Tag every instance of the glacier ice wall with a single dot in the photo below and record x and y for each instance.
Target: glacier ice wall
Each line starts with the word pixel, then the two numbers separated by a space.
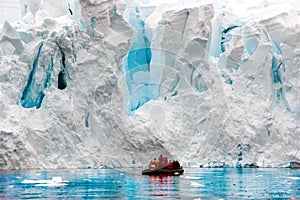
pixel 95 83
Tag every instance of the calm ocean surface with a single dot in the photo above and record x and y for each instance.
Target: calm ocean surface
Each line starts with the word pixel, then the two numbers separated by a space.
pixel 196 183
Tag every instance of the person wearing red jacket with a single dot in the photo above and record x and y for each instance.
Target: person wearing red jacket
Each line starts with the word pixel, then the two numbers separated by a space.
pixel 170 165
pixel 165 164
pixel 160 161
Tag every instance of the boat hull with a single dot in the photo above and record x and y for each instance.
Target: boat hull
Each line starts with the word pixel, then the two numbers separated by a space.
pixel 162 172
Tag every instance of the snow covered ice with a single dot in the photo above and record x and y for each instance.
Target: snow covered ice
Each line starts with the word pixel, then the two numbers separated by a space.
pixel 94 83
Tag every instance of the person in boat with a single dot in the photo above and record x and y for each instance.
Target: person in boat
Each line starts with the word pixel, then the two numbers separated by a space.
pixel 153 164
pixel 176 165
pixel 170 165
pixel 165 162
pixel 161 161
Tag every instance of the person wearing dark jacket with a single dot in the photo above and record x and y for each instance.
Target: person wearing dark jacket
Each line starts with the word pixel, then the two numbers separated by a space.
pixel 176 165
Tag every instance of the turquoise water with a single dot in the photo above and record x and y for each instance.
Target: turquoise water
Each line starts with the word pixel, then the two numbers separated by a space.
pixel 199 183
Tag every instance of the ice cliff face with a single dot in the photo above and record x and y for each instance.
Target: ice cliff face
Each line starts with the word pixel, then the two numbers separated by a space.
pixel 94 83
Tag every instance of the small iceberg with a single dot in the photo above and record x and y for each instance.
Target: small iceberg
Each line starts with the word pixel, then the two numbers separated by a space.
pixel 192 177
pixel 195 184
pixel 35 181
pixel 293 177
pixel 56 181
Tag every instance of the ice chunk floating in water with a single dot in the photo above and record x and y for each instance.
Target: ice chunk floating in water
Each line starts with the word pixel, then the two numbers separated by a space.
pixel 56 181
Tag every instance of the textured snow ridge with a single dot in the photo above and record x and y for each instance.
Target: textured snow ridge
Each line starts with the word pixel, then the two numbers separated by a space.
pixel 96 83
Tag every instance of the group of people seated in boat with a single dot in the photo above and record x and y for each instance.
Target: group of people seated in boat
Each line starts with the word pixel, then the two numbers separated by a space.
pixel 163 163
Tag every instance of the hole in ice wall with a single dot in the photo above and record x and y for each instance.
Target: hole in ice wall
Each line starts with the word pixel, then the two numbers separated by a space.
pixel 62 80
pixel 62 83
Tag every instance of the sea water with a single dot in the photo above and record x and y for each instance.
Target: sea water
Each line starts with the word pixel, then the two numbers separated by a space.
pixel 195 183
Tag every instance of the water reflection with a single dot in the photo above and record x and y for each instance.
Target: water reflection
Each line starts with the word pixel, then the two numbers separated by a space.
pixel 163 186
pixel 130 184
pixel 243 183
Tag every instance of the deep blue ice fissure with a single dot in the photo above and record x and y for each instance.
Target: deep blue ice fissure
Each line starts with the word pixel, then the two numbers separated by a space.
pixel 92 22
pixel 32 95
pixel 138 60
pixel 277 71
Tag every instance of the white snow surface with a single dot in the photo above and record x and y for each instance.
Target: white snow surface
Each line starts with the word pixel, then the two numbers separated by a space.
pixel 226 75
